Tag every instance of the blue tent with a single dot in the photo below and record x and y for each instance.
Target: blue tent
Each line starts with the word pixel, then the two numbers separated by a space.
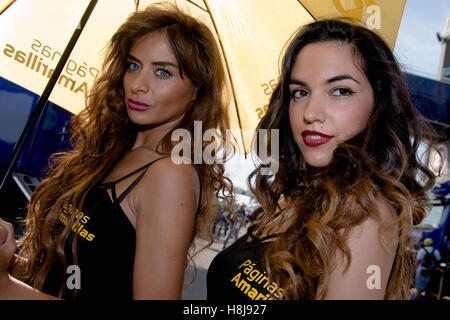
pixel 431 98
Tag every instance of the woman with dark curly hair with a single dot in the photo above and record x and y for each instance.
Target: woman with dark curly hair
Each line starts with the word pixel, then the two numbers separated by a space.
pixel 335 219
pixel 116 210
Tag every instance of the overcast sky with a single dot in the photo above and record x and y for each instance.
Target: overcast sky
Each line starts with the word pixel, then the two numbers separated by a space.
pixel 417 47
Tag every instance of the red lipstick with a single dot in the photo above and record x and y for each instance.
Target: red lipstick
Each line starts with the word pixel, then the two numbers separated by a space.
pixel 314 138
pixel 137 105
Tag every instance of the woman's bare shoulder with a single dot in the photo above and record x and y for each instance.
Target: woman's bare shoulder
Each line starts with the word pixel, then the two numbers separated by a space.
pixel 168 182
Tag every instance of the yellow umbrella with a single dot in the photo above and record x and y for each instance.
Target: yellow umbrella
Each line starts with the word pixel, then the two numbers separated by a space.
pixel 251 34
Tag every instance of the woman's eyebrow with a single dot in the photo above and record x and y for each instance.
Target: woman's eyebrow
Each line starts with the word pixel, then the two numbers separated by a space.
pixel 342 77
pixel 133 58
pixel 156 63
pixel 164 64
pixel 330 80
pixel 299 82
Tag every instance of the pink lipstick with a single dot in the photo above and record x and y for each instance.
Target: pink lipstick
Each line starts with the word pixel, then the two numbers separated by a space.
pixel 137 105
pixel 314 138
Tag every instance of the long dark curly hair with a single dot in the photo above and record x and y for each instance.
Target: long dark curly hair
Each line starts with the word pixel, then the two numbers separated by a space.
pixel 320 205
pixel 102 133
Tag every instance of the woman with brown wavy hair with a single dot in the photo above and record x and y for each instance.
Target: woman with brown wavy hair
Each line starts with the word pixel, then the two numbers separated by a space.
pixel 116 211
pixel 335 219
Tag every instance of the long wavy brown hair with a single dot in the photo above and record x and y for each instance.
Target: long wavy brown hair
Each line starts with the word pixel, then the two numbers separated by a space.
pixel 102 133
pixel 311 210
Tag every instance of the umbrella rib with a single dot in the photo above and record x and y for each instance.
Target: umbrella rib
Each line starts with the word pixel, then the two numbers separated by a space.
pixel 7 6
pixel 194 4
pixel 229 74
pixel 306 9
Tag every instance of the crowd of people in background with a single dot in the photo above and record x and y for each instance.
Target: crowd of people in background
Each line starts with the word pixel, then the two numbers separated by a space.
pixel 228 224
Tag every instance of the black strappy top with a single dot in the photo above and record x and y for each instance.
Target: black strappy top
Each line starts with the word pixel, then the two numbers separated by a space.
pixel 112 185
pixel 238 273
pixel 106 247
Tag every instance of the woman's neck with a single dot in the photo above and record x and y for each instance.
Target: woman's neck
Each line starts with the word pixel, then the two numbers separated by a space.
pixel 151 136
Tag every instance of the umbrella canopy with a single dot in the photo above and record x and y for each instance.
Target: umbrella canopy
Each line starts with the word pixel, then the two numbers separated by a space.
pixel 251 34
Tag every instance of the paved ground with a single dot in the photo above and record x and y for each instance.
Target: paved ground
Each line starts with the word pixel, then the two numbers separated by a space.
pixel 197 290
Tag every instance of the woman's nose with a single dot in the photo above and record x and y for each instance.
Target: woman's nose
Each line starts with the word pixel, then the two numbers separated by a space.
pixel 140 83
pixel 314 110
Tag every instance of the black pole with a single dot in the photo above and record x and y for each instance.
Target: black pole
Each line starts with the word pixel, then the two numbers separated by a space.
pixel 40 105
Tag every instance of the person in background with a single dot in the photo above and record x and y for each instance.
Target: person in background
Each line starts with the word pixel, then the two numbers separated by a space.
pixel 221 223
pixel 445 293
pixel 335 219
pixel 117 208
pixel 218 220
pixel 427 260
pixel 238 220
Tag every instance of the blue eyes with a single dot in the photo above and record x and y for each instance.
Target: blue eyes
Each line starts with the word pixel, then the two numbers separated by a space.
pixel 133 66
pixel 163 73
pixel 159 72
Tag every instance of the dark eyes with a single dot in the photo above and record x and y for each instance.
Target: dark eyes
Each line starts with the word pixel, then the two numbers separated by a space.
pixel 299 93
pixel 341 92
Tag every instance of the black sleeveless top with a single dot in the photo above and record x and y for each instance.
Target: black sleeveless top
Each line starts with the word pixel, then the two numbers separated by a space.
pixel 237 273
pixel 106 247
